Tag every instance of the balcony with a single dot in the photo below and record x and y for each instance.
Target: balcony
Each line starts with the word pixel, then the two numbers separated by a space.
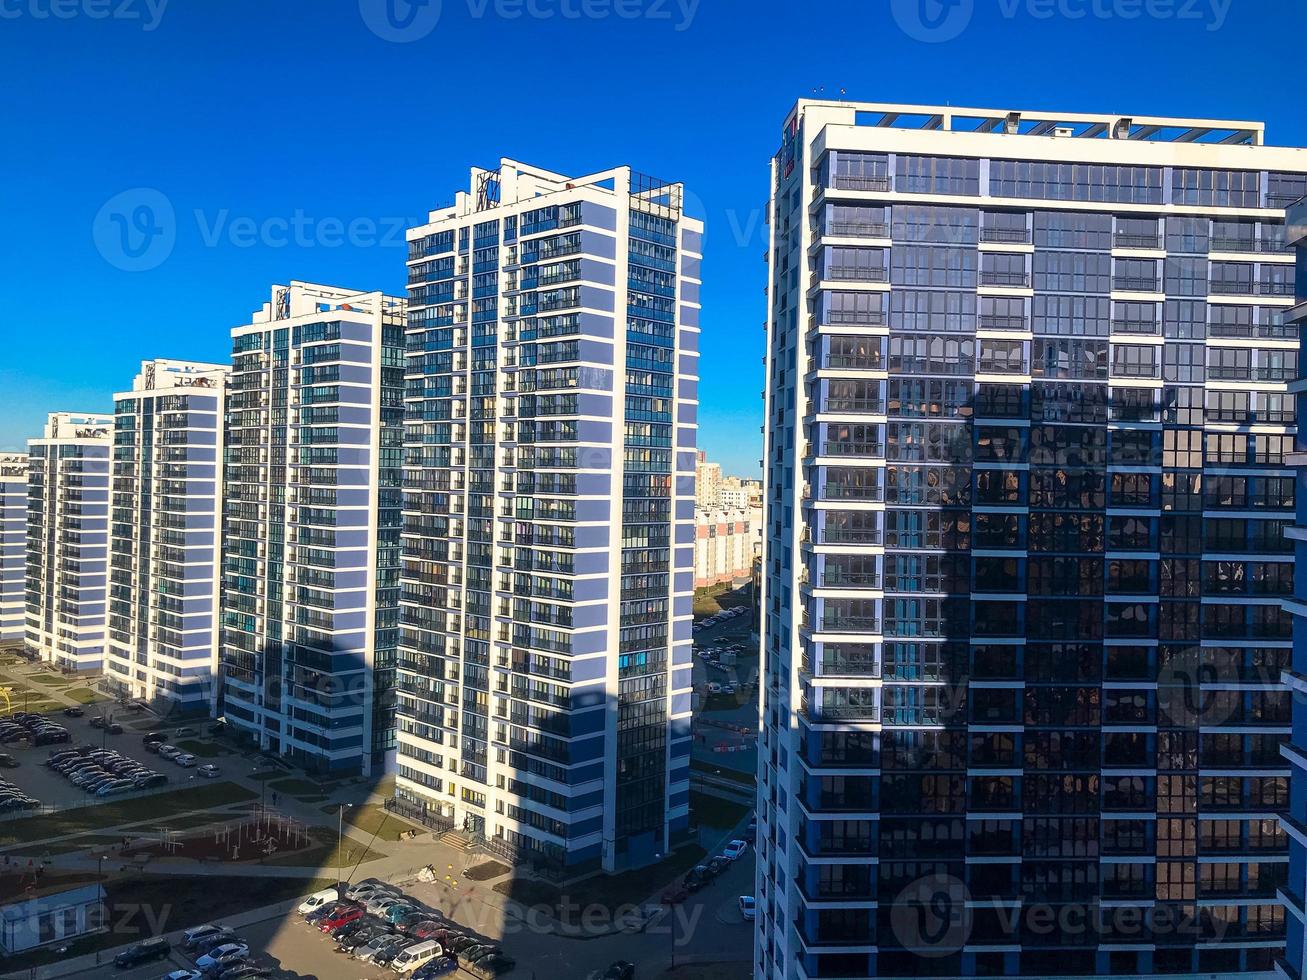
pixel 1004 277
pixel 1006 236
pixel 1259 288
pixel 1147 327
pixel 848 182
pixel 1249 245
pixel 1136 284
pixel 858 229
pixel 850 273
pixel 993 321
pixel 1128 240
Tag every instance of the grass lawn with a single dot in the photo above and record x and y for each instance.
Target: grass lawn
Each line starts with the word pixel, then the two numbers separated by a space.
pixel 171 902
pixel 628 888
pixel 734 775
pixel 713 811
pixel 52 680
pixel 157 806
pixel 297 787
pixel 323 853
pixel 486 870
pixel 84 695
pixel 371 819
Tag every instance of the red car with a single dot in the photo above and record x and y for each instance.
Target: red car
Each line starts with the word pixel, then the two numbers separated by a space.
pixel 343 917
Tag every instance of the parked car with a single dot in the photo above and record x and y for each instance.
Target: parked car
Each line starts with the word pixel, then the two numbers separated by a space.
pixel 419 954
pixel 718 864
pixel 735 849
pixel 379 905
pixel 222 956
pixel 317 900
pixel 155 948
pixel 97 721
pixel 748 907
pixel 114 728
pixel 490 967
pixel 151 780
pixel 697 878
pixel 154 738
pixel 244 971
pixel 222 965
pixel 72 711
pixel 441 966
pixel 193 936
pixel 185 760
pixel 209 771
pixel 185 733
pixel 182 975
pixel 209 943
pixel 7 761
pixel 375 948
pixel 340 917
pixel 169 751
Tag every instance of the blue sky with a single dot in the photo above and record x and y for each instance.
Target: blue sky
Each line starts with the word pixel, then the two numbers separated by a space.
pixel 293 139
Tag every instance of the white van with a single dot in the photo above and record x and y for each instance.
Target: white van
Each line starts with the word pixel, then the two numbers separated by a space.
pixel 317 900
pixel 415 956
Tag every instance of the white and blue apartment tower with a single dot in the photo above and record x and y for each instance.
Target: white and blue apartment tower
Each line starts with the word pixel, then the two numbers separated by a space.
pixel 166 536
pixel 13 546
pixel 1029 422
pixel 68 540
pixel 1294 891
pixel 551 392
pixel 312 541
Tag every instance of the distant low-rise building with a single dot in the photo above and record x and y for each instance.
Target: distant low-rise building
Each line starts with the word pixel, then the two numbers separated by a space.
pixel 725 541
pixel 57 917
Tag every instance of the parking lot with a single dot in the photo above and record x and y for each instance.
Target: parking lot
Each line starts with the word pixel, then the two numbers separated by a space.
pixel 55 791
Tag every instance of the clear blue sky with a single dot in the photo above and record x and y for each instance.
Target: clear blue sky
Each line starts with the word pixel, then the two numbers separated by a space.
pixel 266 111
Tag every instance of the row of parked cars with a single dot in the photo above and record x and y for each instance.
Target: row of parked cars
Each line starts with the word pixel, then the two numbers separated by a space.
pixel 720 617
pixel 219 954
pixel 13 798
pixel 103 772
pixel 31 727
pixel 156 742
pixel 376 923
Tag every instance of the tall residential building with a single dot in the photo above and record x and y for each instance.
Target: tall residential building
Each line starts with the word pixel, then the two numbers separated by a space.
pixel 68 540
pixel 726 541
pixel 552 384
pixel 312 546
pixel 1028 410
pixel 1294 819
pixel 707 481
pixel 166 536
pixel 13 546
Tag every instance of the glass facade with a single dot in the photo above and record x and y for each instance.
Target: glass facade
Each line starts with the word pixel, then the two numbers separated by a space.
pixel 165 536
pixel 312 498
pixel 548 534
pixel 67 541
pixel 13 545
pixel 1026 501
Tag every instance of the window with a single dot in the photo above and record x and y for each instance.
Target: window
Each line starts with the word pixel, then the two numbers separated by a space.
pixel 1216 188
pixel 1085 316
pixel 1183 363
pixel 937 175
pixel 1076 182
pixel 1001 357
pixel 1069 359
pixel 1229 363
pixel 1073 272
pixel 1134 361
pixel 1186 276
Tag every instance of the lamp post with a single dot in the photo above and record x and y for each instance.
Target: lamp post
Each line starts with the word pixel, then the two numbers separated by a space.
pixel 340 840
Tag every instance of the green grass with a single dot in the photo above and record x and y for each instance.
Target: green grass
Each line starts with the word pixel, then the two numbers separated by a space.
pixel 713 811
pixel 157 806
pixel 84 695
pixel 323 852
pixel 371 819
pixel 52 680
pixel 296 787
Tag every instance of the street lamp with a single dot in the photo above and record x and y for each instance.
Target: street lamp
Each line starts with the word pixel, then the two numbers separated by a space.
pixel 340 840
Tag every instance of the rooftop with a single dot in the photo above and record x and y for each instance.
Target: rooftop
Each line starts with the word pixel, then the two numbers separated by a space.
pixel 1074 125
